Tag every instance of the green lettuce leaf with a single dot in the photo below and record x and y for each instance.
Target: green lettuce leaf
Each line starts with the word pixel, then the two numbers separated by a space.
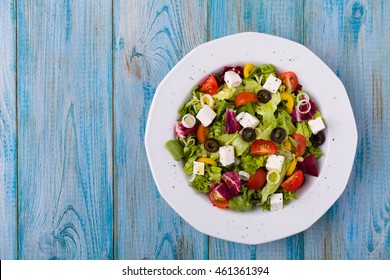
pixel 251 163
pixel 201 183
pixel 193 105
pixel 216 129
pixel 249 85
pixel 271 188
pixel 225 93
pixel 243 201
pixel 248 107
pixel 261 73
pixel 235 139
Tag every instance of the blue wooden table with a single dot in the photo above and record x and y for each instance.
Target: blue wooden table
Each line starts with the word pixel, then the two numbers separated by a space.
pixel 76 82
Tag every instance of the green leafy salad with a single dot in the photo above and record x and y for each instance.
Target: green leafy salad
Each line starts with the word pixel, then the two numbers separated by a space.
pixel 247 137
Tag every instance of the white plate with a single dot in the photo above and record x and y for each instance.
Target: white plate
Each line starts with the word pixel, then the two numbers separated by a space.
pixel 314 198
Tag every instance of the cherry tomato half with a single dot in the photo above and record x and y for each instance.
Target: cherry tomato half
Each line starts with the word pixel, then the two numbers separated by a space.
pixel 289 80
pixel 209 86
pixel 301 141
pixel 201 133
pixel 245 97
pixel 257 180
pixel 294 181
pixel 218 200
pixel 263 147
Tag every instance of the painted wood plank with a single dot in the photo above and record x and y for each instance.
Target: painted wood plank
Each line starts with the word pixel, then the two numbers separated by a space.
pixel 65 129
pixel 147 44
pixel 281 18
pixel 8 179
pixel 351 37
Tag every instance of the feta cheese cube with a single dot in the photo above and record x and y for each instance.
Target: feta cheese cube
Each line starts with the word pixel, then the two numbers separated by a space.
pixel 276 201
pixel 198 168
pixel 232 79
pixel 275 162
pixel 206 115
pixel 247 120
pixel 316 125
pixel 272 84
pixel 226 155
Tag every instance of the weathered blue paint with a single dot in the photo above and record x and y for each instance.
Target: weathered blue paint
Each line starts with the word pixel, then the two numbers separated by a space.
pixel 65 130
pixel 145 226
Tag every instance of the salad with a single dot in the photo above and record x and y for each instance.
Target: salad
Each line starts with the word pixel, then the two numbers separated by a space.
pixel 248 136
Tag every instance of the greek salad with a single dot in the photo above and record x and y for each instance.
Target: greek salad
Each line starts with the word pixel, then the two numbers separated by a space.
pixel 248 136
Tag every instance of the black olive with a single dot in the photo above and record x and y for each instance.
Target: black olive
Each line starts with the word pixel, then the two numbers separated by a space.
pixel 278 135
pixel 211 145
pixel 317 139
pixel 248 134
pixel 264 96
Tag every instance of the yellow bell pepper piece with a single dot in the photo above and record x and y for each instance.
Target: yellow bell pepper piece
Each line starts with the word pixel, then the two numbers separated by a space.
pixel 248 69
pixel 207 161
pixel 289 98
pixel 291 168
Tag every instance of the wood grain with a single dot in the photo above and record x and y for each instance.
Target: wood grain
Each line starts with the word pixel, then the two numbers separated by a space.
pixel 285 20
pixel 65 129
pixel 147 44
pixel 352 40
pixel 8 181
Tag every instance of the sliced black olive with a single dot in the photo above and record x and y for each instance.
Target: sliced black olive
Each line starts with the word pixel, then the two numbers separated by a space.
pixel 278 135
pixel 264 96
pixel 211 145
pixel 317 139
pixel 248 134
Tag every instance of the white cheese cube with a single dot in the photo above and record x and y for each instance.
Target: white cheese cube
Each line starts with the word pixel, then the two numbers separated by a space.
pixel 232 79
pixel 272 84
pixel 226 155
pixel 316 125
pixel 206 115
pixel 247 120
pixel 275 162
pixel 198 168
pixel 276 201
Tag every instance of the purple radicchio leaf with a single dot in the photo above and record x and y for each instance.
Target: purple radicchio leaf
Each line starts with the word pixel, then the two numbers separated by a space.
pixel 231 124
pixel 296 116
pixel 181 131
pixel 222 189
pixel 308 166
pixel 238 69
pixel 232 181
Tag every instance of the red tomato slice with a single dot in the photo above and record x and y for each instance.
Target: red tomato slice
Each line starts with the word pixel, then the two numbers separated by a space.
pixel 294 181
pixel 245 97
pixel 209 86
pixel 263 147
pixel 257 180
pixel 201 133
pixel 218 200
pixel 301 141
pixel 289 80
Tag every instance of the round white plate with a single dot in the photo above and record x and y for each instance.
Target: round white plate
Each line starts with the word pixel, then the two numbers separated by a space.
pixel 314 198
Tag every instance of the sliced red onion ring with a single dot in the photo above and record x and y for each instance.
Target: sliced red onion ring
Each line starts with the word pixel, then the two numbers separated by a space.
pixel 304 96
pixel 304 103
